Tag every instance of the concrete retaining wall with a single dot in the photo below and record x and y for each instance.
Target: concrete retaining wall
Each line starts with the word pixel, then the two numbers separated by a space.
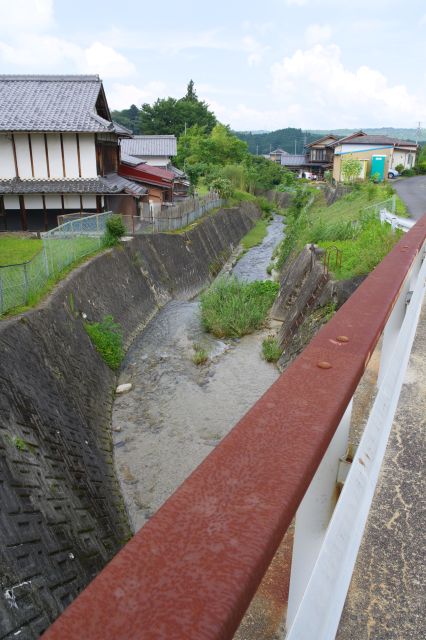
pixel 61 513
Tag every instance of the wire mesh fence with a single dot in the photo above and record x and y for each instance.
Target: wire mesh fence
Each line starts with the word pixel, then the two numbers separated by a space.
pixel 389 205
pixel 62 246
pixel 157 218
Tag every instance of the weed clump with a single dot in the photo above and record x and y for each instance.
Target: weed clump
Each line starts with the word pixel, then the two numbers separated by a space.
pixel 271 350
pixel 200 354
pixel 231 308
pixel 108 340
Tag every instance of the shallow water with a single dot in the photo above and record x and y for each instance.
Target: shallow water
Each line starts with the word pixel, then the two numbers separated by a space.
pixel 169 422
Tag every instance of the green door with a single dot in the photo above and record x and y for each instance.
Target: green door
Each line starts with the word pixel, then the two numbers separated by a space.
pixel 378 167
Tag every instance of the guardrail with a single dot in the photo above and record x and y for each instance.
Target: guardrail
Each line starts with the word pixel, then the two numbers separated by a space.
pixel 192 570
pixel 395 221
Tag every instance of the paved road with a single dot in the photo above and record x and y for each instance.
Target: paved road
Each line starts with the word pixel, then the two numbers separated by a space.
pixel 413 192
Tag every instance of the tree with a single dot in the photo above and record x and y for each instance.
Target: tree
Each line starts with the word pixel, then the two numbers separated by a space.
pixel 190 92
pixel 172 116
pixel 128 118
pixel 351 168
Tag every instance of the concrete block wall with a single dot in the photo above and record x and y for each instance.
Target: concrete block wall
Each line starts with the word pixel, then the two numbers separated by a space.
pixel 61 512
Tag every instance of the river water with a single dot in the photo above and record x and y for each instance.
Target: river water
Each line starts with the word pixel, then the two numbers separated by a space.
pixel 177 412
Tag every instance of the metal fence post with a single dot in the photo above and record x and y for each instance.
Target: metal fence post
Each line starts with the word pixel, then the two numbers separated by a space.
pixel 45 261
pixel 1 296
pixel 26 288
pixel 394 203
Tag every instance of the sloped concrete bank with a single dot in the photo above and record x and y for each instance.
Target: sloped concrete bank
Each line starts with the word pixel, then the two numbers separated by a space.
pixel 306 300
pixel 61 512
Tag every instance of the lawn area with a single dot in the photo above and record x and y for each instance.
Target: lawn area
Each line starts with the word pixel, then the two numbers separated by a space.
pixel 22 286
pixel 16 250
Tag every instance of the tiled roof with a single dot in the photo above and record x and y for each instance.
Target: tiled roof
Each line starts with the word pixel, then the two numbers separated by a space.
pixel 122 184
pixel 127 159
pixel 150 146
pixel 70 185
pixel 51 103
pixel 374 139
pixel 293 160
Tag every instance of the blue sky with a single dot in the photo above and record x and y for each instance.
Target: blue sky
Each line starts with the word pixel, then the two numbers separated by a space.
pixel 265 65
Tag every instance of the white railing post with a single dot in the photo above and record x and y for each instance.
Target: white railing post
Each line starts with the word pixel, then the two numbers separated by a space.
pixel 314 514
pixel 396 318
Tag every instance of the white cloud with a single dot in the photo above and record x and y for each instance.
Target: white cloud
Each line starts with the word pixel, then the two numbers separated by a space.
pixel 104 60
pixel 315 85
pixel 254 49
pixel 49 54
pixel 317 33
pixel 26 14
pixel 121 96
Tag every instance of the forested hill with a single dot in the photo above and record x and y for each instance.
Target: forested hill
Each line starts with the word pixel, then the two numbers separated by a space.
pixel 291 140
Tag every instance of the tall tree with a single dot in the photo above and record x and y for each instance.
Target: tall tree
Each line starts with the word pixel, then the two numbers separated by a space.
pixel 171 116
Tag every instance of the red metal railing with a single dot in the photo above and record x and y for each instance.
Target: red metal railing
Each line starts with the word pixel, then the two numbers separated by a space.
pixel 192 570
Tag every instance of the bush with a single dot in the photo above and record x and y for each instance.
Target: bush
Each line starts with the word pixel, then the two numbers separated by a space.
pixel 271 350
pixel 107 339
pixel 223 187
pixel 421 166
pixel 399 168
pixel 115 229
pixel 408 173
pixel 231 308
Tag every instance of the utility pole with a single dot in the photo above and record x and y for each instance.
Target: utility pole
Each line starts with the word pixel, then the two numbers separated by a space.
pixel 257 149
pixel 295 147
pixel 418 132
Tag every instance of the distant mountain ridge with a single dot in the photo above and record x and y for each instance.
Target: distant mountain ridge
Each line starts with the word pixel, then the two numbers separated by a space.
pixel 293 140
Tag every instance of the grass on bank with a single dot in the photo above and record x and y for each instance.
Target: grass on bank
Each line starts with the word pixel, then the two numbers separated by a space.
pixel 271 350
pixel 346 224
pixel 231 308
pixel 107 339
pixel 15 250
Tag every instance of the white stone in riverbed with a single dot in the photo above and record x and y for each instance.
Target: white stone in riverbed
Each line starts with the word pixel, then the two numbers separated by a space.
pixel 123 388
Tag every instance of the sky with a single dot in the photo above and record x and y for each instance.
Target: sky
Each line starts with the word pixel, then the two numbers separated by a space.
pixel 271 64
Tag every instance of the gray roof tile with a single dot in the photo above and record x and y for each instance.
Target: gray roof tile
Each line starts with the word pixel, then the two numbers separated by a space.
pixel 70 185
pixel 150 146
pixel 293 160
pixel 51 103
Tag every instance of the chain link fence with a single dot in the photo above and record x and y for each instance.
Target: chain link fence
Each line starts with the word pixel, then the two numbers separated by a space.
pixel 62 246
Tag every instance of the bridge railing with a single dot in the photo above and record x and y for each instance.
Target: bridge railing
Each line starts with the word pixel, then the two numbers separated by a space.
pixel 192 570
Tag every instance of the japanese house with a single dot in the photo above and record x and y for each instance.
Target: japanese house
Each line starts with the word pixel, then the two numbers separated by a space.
pixel 59 151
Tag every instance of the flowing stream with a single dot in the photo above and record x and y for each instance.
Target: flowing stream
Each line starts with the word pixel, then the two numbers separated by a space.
pixel 176 411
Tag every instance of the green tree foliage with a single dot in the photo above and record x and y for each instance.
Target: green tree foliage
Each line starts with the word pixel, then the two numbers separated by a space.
pixel 172 116
pixel 351 168
pixel 128 118
pixel 263 143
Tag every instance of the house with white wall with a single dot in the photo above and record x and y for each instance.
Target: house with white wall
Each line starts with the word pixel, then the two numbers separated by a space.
pixel 373 151
pixel 59 151
pixel 157 151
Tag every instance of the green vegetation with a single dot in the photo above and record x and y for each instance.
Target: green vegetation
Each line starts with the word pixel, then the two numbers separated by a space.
pixel 19 443
pixel 256 235
pixel 264 142
pixel 271 350
pixel 14 250
pixel 231 308
pixel 168 115
pixel 347 224
pixel 108 340
pixel 351 168
pixel 200 354
pixel 115 229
